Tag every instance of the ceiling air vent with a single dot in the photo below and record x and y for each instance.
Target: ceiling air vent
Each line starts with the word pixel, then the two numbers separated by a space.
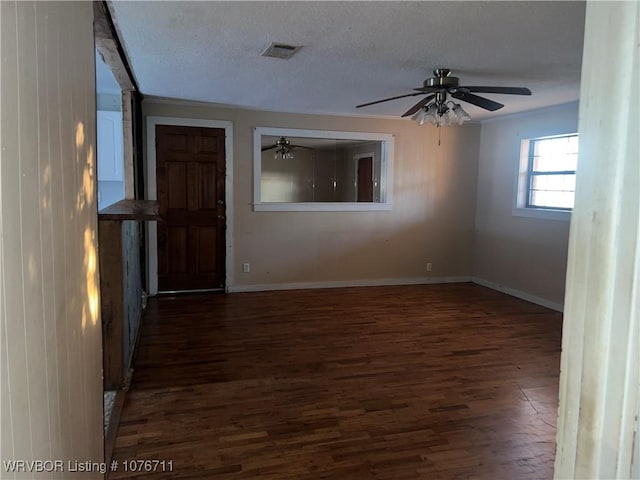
pixel 280 50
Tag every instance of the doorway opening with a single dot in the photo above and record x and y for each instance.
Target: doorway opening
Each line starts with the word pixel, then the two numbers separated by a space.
pixel 190 176
pixel 110 150
pixel 152 186
pixel 120 233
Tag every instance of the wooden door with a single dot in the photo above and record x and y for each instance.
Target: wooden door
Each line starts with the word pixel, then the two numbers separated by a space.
pixel 190 174
pixel 365 179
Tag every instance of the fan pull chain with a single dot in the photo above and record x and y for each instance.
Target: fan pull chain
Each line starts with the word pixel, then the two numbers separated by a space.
pixel 439 133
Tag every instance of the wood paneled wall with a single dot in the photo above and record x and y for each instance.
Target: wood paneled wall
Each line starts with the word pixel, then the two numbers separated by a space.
pixel 132 286
pixel 600 364
pixel 50 345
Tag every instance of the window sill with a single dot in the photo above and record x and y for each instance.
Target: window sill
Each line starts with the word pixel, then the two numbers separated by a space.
pixel 541 213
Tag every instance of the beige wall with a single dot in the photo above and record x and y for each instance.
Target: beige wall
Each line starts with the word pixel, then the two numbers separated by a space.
pixel 519 254
pixel 432 218
pixel 50 346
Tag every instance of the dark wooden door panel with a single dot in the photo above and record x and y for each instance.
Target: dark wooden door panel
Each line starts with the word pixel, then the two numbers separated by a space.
pixel 190 174
pixel 177 240
pixel 176 185
pixel 365 179
pixel 206 247
pixel 207 186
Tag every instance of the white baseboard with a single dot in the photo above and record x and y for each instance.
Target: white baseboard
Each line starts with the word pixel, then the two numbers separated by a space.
pixel 347 283
pixel 558 307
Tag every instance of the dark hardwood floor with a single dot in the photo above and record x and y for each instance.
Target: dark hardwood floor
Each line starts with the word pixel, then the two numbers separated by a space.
pixel 412 382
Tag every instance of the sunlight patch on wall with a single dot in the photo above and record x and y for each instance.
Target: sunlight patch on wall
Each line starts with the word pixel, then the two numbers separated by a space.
pixel 85 195
pixel 32 268
pixel 91 265
pixel 46 179
pixel 79 135
pixel 88 183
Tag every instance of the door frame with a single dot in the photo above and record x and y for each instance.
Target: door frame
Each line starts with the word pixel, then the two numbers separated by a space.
pixel 152 192
pixel 357 157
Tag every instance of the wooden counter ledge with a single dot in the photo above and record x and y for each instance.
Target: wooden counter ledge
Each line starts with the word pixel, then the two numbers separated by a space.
pixel 131 210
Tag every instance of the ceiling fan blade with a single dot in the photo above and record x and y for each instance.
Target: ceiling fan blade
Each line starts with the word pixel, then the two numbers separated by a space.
pixel 429 89
pixel 267 148
pixel 504 90
pixel 391 98
pixel 419 105
pixel 478 101
pixel 300 146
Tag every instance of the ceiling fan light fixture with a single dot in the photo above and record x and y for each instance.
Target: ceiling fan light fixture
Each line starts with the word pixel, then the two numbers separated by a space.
pixel 444 120
pixel 427 114
pixel 420 116
pixel 283 149
pixel 433 109
pixel 459 113
pixel 441 115
pixel 283 155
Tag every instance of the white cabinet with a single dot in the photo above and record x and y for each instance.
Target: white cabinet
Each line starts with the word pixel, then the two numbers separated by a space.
pixel 110 150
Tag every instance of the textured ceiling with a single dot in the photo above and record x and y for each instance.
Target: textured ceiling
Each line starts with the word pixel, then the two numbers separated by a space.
pixel 352 52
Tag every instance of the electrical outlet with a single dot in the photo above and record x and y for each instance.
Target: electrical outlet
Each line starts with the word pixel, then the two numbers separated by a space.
pixel 429 266
pixel 246 267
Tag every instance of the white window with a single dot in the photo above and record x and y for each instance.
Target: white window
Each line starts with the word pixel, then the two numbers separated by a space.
pixel 547 176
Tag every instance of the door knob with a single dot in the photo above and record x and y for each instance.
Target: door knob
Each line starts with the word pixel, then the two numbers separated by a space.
pixel 220 202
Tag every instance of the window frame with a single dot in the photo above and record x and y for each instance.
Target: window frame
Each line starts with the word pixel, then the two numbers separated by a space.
pixel 386 181
pixel 531 172
pixel 524 178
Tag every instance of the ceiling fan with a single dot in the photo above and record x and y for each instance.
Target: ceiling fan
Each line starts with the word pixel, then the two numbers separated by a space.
pixel 435 106
pixel 284 148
